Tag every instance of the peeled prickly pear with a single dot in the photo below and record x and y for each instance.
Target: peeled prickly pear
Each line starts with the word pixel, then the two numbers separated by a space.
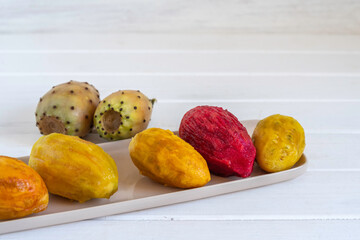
pixel 74 168
pixel 279 142
pixel 220 138
pixel 122 114
pixel 67 108
pixel 22 191
pixel 167 159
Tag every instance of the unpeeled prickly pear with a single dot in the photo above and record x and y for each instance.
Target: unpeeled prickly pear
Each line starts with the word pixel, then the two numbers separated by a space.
pixel 164 157
pixel 22 191
pixel 67 108
pixel 74 168
pixel 220 138
pixel 122 114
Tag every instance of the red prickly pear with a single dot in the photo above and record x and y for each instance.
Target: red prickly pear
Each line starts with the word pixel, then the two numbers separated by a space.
pixel 221 139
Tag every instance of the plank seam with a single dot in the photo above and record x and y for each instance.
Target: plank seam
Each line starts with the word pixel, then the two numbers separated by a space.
pixel 233 218
pixel 258 100
pixel 190 74
pixel 5 126
pixel 172 51
pixel 333 170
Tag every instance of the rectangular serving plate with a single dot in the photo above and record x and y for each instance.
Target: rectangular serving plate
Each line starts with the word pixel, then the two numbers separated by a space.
pixel 136 192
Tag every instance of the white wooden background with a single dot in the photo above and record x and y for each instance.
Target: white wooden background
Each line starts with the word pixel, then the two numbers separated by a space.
pixel 216 53
pixel 178 16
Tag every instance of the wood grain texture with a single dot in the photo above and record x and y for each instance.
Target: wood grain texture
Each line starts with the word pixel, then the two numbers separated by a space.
pixel 179 63
pixel 198 88
pixel 344 119
pixel 233 16
pixel 163 230
pixel 160 42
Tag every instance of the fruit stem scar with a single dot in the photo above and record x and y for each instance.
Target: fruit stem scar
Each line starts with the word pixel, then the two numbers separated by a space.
pixel 111 121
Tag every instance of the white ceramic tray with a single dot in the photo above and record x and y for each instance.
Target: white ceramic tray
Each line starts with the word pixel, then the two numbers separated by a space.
pixel 137 192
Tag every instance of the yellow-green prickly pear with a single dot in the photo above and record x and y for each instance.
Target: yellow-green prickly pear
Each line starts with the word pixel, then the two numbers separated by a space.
pixel 67 108
pixel 122 114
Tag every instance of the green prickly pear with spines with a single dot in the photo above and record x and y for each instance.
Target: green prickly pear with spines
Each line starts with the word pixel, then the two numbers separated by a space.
pixel 67 108
pixel 122 114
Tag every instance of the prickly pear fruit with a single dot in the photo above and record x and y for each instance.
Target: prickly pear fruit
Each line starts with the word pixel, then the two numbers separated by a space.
pixel 279 142
pixel 220 138
pixel 74 168
pixel 22 191
pixel 167 159
pixel 122 114
pixel 67 108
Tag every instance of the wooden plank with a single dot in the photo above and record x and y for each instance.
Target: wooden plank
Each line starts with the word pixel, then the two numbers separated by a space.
pixel 333 152
pixel 179 63
pixel 314 195
pixel 217 229
pixel 198 88
pixel 280 16
pixel 159 42
pixel 312 115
